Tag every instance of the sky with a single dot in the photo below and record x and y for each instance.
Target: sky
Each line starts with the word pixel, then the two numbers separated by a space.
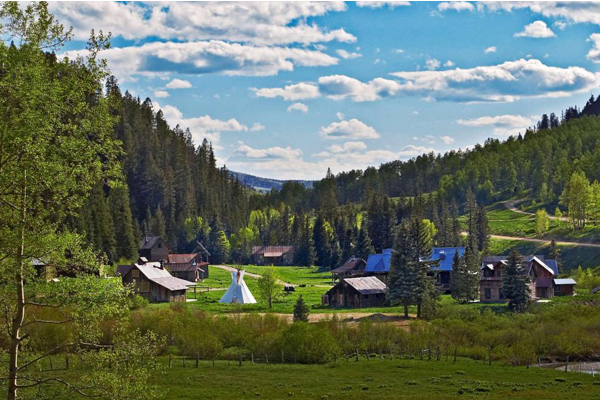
pixel 286 90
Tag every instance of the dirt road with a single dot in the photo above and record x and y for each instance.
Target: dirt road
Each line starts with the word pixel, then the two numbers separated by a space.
pixel 512 206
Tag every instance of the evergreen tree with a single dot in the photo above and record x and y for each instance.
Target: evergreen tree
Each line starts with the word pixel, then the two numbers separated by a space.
pixel 123 224
pixel 483 242
pixel 301 310
pixel 403 276
pixel 159 226
pixel 465 276
pixel 515 283
pixel 321 242
pixel 305 252
pixel 219 245
pixel 364 247
pixel 555 255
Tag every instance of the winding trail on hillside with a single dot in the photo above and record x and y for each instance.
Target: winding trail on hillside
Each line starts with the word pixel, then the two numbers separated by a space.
pixel 545 241
pixel 512 206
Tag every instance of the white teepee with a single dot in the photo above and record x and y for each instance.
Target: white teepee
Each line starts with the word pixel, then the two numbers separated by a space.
pixel 238 292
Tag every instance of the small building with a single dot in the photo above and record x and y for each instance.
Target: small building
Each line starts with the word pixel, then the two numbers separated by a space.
pixel 352 267
pixel 442 259
pixel 564 287
pixel 379 264
pixel 366 291
pixel 542 274
pixel 273 255
pixel 152 281
pixel 189 267
pixel 153 248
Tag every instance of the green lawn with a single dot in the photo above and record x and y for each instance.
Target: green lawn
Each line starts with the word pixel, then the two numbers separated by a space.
pixel 295 275
pixel 373 379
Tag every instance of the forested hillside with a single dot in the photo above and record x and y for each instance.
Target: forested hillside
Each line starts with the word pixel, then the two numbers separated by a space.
pixel 175 190
pixel 171 187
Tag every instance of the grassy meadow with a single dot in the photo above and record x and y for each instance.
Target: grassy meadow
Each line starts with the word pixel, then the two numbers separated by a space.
pixel 373 379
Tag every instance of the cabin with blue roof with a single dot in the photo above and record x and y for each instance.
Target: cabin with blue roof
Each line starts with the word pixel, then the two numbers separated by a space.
pixel 379 264
pixel 442 265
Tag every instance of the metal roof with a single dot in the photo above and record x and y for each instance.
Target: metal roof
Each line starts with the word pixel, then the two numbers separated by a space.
pixel 272 249
pixel 149 242
pixel 273 254
pixel 567 281
pixel 444 256
pixel 367 285
pixel 351 264
pixel 159 275
pixel 181 258
pixel 379 263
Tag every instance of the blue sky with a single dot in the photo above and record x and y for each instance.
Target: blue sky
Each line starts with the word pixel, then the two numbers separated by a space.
pixel 286 90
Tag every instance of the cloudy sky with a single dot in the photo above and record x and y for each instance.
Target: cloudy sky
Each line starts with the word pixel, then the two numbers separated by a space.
pixel 286 90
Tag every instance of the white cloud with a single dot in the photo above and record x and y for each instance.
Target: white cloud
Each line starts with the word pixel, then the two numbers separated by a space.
pixel 502 125
pixel 340 116
pixel 262 23
pixel 456 6
pixel 491 49
pixel 298 91
pixel 560 25
pixel 269 153
pixel 257 127
pixel 398 51
pixel 198 58
pixel 505 82
pixel 432 64
pixel 537 29
pixel 348 147
pixel 449 64
pixel 351 129
pixel 338 87
pixel 380 4
pixel 179 84
pixel 412 151
pixel 577 12
pixel 415 113
pixel 161 94
pixel 346 55
pixel 447 139
pixel 594 53
pixel 298 107
pixel 200 127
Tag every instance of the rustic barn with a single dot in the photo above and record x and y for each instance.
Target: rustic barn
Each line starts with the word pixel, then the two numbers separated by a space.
pixel 189 267
pixel 152 281
pixel 352 267
pixel 153 248
pixel 367 291
pixel 273 255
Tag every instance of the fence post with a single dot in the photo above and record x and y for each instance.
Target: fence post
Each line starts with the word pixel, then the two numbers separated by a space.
pixel 282 357
pixel 356 355
pixel 183 361
pixel 196 360
pixel 67 361
pixel 438 353
pixel 567 365
pixel 51 367
pixel 455 350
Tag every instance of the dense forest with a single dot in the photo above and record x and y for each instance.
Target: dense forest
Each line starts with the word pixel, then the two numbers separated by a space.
pixel 173 189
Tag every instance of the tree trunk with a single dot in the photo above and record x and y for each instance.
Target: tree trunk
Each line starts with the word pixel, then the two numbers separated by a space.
pixel 15 334
pixel 406 311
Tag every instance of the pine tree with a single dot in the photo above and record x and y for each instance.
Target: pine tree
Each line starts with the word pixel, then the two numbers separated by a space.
pixel 555 255
pixel 403 276
pixel 301 310
pixel 483 242
pixel 305 253
pixel 219 244
pixel 515 283
pixel 123 224
pixel 364 246
pixel 159 226
pixel 321 242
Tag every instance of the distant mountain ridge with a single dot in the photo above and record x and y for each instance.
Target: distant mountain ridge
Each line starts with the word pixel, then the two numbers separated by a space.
pixel 265 184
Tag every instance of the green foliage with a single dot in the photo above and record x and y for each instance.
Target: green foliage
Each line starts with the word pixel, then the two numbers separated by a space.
pixel 515 283
pixel 301 310
pixel 268 287
pixel 542 222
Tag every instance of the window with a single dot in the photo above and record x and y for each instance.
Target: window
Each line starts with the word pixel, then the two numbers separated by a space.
pixel 135 273
pixel 488 293
pixel 143 286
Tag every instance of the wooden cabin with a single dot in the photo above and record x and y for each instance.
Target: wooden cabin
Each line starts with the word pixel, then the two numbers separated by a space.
pixel 273 255
pixel 354 266
pixel 190 267
pixel 152 281
pixel 542 274
pixel 153 248
pixel 367 291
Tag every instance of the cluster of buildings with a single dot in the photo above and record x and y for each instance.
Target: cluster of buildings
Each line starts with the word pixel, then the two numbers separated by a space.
pixel 363 283
pixel 160 276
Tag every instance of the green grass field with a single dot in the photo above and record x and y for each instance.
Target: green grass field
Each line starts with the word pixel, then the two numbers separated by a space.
pixel 373 379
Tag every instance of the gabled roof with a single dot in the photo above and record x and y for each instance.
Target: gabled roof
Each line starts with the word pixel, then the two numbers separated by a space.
pixel 567 281
pixel 186 267
pixel 445 255
pixel 367 285
pixel 181 258
pixel 159 275
pixel 543 264
pixel 379 263
pixel 353 263
pixel 272 251
pixel 149 242
pixel 552 264
pixel 122 270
